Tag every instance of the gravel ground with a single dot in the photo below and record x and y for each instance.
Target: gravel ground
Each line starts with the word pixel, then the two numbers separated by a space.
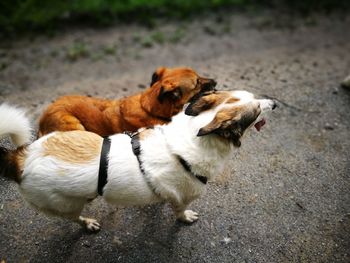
pixel 284 196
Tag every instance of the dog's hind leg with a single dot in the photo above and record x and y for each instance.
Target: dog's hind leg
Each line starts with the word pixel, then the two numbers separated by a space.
pixel 88 223
pixel 73 214
pixel 60 121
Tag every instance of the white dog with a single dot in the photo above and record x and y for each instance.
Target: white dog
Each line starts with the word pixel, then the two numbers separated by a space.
pixel 61 172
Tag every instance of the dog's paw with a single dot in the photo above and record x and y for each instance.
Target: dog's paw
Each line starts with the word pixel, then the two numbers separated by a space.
pixel 188 216
pixel 91 224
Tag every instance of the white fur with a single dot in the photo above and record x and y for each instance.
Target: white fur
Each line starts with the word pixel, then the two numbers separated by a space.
pixel 63 188
pixel 15 124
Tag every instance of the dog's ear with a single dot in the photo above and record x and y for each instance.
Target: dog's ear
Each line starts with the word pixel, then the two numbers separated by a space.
pixel 229 129
pixel 168 92
pixel 214 125
pixel 201 103
pixel 222 120
pixel 157 75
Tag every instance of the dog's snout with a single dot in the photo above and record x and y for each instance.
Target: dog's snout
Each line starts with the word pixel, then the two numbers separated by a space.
pixel 212 83
pixel 207 84
pixel 267 104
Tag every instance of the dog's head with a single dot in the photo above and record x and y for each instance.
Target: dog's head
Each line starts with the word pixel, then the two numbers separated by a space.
pixel 230 113
pixel 174 87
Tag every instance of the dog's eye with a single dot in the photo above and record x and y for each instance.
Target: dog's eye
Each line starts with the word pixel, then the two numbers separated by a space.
pixel 227 134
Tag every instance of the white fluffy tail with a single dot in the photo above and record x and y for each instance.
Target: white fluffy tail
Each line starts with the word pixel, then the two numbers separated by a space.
pixel 14 123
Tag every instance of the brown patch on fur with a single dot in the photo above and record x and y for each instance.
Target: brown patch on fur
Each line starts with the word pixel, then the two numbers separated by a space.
pixel 232 100
pixel 12 163
pixel 207 102
pixel 21 157
pixel 73 147
pixel 219 120
pixel 145 133
pixel 170 90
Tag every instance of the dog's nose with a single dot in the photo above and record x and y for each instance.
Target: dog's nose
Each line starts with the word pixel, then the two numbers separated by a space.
pixel 213 83
pixel 208 84
pixel 274 104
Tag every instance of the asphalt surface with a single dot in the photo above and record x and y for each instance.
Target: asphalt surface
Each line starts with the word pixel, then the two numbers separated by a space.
pixel 285 195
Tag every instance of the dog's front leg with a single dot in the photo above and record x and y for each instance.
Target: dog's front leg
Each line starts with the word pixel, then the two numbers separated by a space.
pixel 187 216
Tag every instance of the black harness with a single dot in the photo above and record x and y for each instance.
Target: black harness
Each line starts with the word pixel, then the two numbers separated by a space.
pixel 136 149
pixel 188 168
pixel 103 170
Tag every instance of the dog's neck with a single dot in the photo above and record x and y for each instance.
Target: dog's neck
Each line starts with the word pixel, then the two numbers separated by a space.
pixel 207 154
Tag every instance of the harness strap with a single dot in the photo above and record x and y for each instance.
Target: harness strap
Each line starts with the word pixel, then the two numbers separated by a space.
pixel 136 149
pixel 188 168
pixel 103 170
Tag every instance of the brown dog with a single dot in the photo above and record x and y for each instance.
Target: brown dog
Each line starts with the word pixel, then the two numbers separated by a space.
pixel 170 90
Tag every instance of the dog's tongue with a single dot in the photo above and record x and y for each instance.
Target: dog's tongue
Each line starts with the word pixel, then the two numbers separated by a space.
pixel 259 124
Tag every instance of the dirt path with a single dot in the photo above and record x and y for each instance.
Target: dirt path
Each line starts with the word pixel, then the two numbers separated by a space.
pixel 286 195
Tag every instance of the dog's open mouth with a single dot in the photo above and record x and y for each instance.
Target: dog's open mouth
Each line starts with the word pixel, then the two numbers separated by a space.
pixel 259 124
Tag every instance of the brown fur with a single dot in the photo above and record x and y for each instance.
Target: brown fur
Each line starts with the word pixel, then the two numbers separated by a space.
pixel 12 163
pixel 207 102
pixel 242 115
pixel 75 147
pixel 232 123
pixel 170 90
pixel 232 100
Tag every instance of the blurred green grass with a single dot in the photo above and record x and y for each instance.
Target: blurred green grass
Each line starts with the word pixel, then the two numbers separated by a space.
pixel 28 15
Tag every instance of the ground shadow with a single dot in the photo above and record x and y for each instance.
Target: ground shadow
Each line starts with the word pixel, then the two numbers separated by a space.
pixel 147 235
pixel 59 247
pixel 151 241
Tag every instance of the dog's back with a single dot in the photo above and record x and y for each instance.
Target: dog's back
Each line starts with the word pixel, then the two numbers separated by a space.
pixel 70 113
